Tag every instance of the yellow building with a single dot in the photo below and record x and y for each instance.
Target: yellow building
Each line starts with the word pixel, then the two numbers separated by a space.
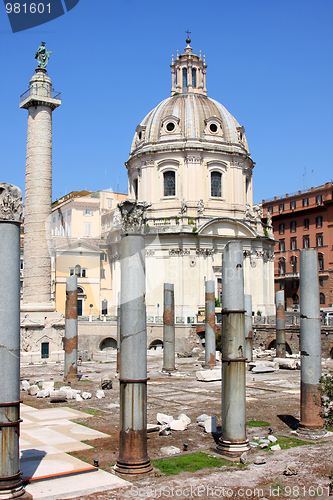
pixel 80 222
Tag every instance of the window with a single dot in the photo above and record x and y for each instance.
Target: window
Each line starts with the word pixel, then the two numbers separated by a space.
pixel 319 221
pixel 45 353
pixel 102 274
pixel 321 261
pixel 104 307
pixel 270 210
pixel 282 246
pixel 194 77
pixel 319 240
pixel 109 202
pixel 88 212
pixel 306 223
pixel 319 199
pixel 295 299
pixel 169 183
pixel 184 77
pixel 281 207
pixel 216 184
pixel 305 202
pixel 292 205
pixel 293 226
pixel 21 264
pixel 281 228
pixel 104 257
pixel 322 299
pixel 282 266
pixel 109 222
pixel 293 243
pixel 87 229
pixel 294 284
pixel 293 262
pixel 306 241
pixel 78 271
pixel 321 282
pixel 282 285
pixel 135 188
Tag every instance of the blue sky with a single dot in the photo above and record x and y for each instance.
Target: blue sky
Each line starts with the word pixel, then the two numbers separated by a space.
pixel 269 63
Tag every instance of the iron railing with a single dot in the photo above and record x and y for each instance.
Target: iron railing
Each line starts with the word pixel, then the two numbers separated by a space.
pixel 41 90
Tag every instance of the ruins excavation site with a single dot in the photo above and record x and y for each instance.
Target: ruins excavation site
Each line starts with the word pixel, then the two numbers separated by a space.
pixel 272 397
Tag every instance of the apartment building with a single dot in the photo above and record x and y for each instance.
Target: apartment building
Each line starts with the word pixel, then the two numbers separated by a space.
pixel 302 220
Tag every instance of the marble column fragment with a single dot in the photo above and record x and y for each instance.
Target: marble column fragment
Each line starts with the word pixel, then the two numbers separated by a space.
pixel 233 441
pixel 248 328
pixel 71 330
pixel 11 485
pixel 169 328
pixel 311 422
pixel 280 325
pixel 210 339
pixel 133 456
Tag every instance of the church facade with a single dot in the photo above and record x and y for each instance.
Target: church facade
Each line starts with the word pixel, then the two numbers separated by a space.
pixel 190 159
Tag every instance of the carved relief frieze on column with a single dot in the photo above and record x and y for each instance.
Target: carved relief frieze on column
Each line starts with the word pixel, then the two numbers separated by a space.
pixel 11 202
pixel 133 216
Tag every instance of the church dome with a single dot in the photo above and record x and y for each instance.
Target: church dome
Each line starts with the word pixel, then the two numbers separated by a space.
pixel 189 117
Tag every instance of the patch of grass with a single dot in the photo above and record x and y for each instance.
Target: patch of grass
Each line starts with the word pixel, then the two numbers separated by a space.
pixel 290 442
pixel 92 411
pixel 258 423
pixel 82 423
pixel 191 462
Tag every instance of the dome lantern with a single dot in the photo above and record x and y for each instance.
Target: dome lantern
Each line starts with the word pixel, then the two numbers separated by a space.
pixel 188 72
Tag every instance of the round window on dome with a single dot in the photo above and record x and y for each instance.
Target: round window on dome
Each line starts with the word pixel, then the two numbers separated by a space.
pixel 170 126
pixel 213 127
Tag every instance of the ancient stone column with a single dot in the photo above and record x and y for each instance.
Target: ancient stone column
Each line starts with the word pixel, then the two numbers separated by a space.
pixel 71 330
pixel 210 339
pixel 133 457
pixel 169 328
pixel 10 214
pixel 280 325
pixel 233 440
pixel 40 101
pixel 311 422
pixel 118 338
pixel 248 327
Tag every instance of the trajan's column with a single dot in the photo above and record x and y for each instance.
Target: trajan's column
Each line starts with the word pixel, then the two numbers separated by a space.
pixel 43 327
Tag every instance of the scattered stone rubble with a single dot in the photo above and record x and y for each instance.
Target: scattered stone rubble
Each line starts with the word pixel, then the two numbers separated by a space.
pixel 65 393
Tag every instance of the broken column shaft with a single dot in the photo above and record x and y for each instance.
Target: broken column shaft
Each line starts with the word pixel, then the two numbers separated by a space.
pixel 233 440
pixel 133 457
pixel 71 337
pixel 169 328
pixel 280 325
pixel 10 212
pixel 248 327
pixel 210 340
pixel 311 421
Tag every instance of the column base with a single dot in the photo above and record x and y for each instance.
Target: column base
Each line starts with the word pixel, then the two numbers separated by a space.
pixel 13 489
pixel 232 449
pixel 133 469
pixel 308 432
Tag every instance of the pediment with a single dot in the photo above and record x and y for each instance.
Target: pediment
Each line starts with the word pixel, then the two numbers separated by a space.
pixel 224 226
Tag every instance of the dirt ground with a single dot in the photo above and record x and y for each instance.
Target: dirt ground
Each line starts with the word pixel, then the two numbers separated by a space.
pixel 273 397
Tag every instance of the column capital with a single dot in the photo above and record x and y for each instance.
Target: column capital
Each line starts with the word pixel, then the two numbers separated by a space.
pixel 133 216
pixel 11 202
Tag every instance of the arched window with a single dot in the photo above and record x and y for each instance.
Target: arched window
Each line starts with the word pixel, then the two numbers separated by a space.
pixel 295 299
pixel 282 266
pixel 216 184
pixel 321 261
pixel 135 188
pixel 194 77
pixel 322 299
pixel 184 77
pixel 293 262
pixel 169 178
